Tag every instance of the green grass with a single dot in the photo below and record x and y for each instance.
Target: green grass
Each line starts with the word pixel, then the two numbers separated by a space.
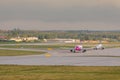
pixel 86 45
pixel 18 53
pixel 14 72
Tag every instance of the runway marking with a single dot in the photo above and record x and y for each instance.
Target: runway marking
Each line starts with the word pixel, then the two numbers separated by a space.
pixel 50 49
pixel 48 55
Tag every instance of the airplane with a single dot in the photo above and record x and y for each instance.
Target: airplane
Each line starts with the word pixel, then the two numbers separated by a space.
pixel 79 48
pixel 99 46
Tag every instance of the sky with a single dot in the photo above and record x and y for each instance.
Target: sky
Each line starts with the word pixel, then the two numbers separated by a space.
pixel 60 14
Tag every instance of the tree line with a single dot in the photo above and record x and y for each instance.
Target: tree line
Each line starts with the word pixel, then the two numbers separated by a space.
pixel 80 34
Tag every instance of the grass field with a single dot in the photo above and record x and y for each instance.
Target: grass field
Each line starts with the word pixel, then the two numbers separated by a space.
pixel 14 72
pixel 86 45
pixel 18 53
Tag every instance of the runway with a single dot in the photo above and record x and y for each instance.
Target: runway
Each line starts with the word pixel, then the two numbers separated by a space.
pixel 107 57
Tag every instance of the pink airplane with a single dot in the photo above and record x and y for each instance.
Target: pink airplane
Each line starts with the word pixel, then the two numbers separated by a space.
pixel 78 48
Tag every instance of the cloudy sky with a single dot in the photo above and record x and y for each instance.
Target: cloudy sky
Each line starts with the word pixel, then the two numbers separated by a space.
pixel 60 14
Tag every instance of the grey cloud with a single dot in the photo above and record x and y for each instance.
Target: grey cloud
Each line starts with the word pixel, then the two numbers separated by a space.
pixel 72 14
pixel 28 11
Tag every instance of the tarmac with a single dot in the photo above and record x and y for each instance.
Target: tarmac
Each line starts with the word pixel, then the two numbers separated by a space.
pixel 106 57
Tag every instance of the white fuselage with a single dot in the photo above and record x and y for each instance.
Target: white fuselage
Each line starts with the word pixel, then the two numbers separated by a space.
pixel 100 46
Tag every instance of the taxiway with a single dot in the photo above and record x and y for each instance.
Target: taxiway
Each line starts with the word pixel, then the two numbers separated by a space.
pixel 107 57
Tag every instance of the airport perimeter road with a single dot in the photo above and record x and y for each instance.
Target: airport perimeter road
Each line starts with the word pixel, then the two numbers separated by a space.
pixel 107 57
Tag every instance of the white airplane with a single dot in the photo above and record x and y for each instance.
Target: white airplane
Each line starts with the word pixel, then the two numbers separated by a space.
pixel 99 46
pixel 79 48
